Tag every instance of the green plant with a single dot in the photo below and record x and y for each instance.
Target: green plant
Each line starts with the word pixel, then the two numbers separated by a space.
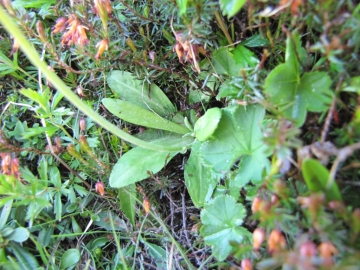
pixel 243 128
pixel 11 238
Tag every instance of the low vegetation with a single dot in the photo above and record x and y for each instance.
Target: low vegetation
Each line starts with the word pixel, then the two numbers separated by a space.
pixel 179 134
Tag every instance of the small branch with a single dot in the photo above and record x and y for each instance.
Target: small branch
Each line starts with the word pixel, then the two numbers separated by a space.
pixel 342 155
pixel 328 119
pixel 329 116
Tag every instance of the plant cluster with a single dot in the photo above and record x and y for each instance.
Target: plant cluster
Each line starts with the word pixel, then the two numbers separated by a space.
pixel 179 134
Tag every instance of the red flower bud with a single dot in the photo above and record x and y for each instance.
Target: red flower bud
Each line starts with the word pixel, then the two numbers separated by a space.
pixel 276 241
pixel 308 249
pixel 258 238
pixel 246 264
pixel 99 187
pixel 146 205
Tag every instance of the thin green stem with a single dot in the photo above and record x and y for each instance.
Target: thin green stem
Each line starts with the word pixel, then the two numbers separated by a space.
pixel 172 239
pixel 223 27
pixel 117 242
pixel 33 56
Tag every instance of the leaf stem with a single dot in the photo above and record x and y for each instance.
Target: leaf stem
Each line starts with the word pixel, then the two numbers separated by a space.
pixel 33 56
pixel 223 27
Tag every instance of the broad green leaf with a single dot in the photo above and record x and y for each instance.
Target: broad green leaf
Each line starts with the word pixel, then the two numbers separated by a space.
pixel 70 258
pixel 238 134
pixel 227 90
pixel 135 91
pixel 224 63
pixel 158 253
pixel 5 212
pixel 97 242
pixel 245 57
pixel 251 169
pixel 255 41
pixel 206 125
pixel 280 84
pixel 294 98
pixel 195 95
pixel 199 179
pixel 295 95
pixel 19 235
pixel 26 260
pixel 104 221
pixel 231 7
pixel 134 166
pixel 127 199
pixel 139 116
pixel 316 177
pixel 165 138
pixel 221 225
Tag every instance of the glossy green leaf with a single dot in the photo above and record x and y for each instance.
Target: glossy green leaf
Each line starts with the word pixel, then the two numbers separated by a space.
pixel 199 179
pixel 134 166
pixel 251 169
pixel 19 235
pixel 70 258
pixel 238 134
pixel 255 41
pixel 231 7
pixel 227 90
pixel 139 116
pixel 293 94
pixel 206 125
pixel 224 63
pixel 127 199
pixel 316 177
pixel 221 225
pixel 141 94
pixel 245 57
pixel 24 257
